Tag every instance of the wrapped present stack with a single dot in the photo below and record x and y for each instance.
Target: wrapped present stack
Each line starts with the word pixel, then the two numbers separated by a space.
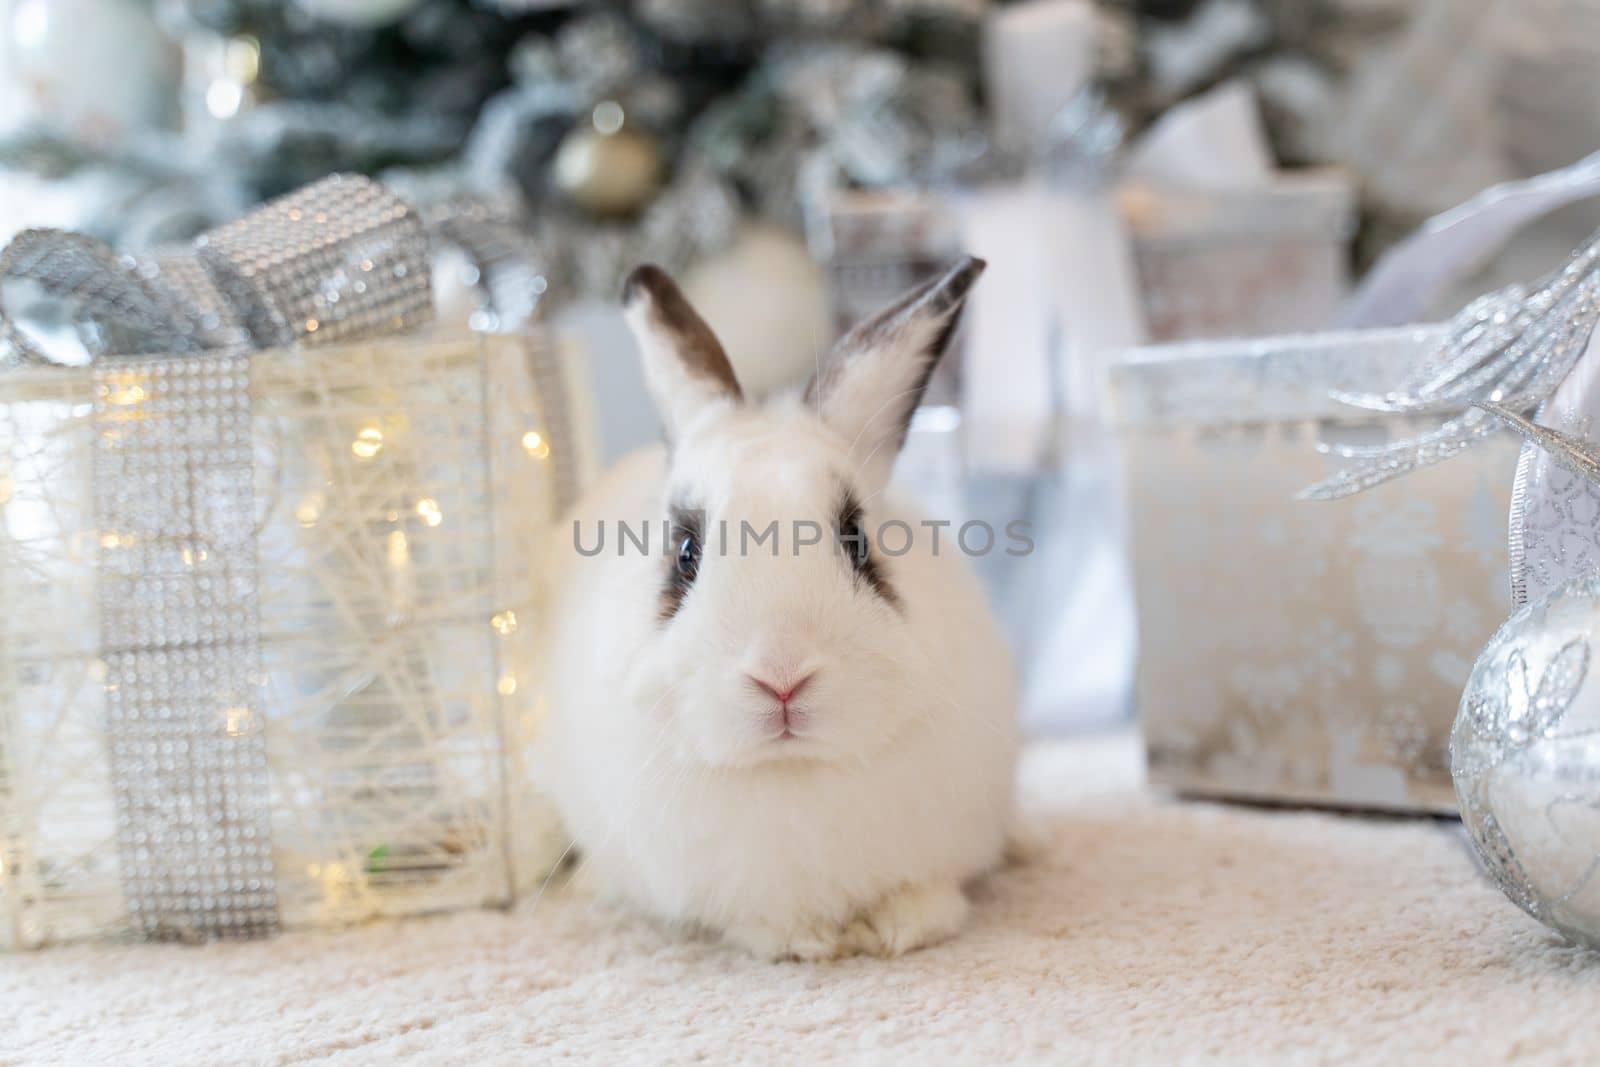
pixel 1309 617
pixel 269 568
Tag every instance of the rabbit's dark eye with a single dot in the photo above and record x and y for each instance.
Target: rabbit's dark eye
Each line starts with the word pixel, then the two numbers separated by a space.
pixel 688 557
pixel 853 541
pixel 683 550
pixel 857 549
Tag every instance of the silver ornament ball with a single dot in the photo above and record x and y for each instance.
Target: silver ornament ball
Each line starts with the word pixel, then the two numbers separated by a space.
pixel 1525 757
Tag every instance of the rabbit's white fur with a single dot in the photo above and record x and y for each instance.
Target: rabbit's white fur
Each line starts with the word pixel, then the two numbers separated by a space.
pixel 855 835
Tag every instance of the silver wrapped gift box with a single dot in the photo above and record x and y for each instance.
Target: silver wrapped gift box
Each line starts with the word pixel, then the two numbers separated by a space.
pixel 1301 651
pixel 1241 263
pixel 1211 263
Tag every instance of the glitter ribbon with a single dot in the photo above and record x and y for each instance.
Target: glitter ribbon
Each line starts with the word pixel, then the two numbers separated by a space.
pixel 1512 348
pixel 338 260
pixel 173 482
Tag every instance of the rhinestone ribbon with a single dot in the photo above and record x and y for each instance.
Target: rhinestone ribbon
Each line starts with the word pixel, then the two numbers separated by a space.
pixel 176 581
pixel 1512 348
pixel 174 494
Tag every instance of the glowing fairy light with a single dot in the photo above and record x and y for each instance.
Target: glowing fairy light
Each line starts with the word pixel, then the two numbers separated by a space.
pixel 535 444
pixel 428 511
pixel 238 721
pixel 368 443
pixel 242 58
pixel 507 685
pixel 398 550
pixel 504 622
pixel 224 98
pixel 309 511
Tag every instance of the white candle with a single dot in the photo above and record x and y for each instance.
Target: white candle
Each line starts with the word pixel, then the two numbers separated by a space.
pixel 1036 58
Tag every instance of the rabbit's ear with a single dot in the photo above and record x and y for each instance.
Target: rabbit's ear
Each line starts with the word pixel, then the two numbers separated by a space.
pixel 877 373
pixel 684 364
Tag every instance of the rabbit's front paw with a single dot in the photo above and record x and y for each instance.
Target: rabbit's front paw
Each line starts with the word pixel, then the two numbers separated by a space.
pixel 1025 844
pixel 809 941
pixel 910 918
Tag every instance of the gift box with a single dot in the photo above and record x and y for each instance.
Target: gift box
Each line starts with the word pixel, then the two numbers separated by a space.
pixel 1247 262
pixel 1209 263
pixel 277 683
pixel 1292 650
pixel 267 652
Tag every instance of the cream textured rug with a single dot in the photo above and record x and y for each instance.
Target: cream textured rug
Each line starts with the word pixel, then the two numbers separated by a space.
pixel 1155 931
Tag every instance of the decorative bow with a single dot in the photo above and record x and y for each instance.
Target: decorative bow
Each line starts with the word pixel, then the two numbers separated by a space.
pixel 1511 348
pixel 338 260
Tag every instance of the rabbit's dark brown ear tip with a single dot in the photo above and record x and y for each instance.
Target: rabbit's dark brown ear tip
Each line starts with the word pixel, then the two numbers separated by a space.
pixel 960 278
pixel 949 290
pixel 646 280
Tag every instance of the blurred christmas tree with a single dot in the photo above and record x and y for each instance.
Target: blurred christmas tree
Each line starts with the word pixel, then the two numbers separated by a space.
pixel 610 132
pixel 607 131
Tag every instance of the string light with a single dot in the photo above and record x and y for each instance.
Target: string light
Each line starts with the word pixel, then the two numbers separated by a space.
pixel 368 443
pixel 224 98
pixel 239 721
pixel 398 550
pixel 504 622
pixel 428 509
pixel 508 685
pixel 335 881
pixel 242 59
pixel 125 395
pixel 535 444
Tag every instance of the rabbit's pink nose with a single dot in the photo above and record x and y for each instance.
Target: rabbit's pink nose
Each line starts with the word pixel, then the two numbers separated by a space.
pixel 780 691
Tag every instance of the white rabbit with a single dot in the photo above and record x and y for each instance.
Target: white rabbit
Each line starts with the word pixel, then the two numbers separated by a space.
pixel 807 748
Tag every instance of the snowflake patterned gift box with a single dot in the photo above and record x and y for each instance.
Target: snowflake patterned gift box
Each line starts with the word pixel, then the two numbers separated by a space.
pixel 269 562
pixel 1290 650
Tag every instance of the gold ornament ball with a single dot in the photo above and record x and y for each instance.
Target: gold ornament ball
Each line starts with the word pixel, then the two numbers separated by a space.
pixel 607 173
